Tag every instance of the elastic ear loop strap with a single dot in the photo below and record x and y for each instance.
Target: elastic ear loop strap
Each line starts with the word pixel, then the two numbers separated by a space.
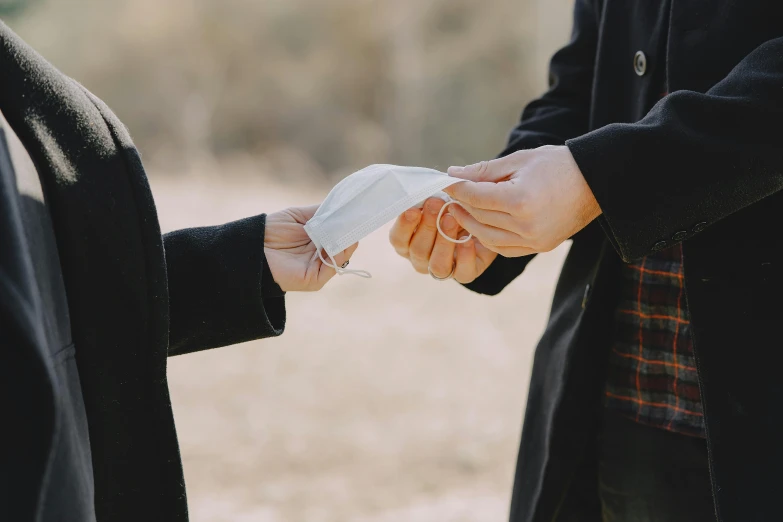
pixel 340 270
pixel 440 231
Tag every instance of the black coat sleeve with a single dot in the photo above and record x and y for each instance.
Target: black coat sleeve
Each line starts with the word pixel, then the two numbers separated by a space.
pixel 221 291
pixel 560 114
pixel 693 160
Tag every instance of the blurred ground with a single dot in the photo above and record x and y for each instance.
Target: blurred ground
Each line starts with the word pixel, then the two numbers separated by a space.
pixel 392 399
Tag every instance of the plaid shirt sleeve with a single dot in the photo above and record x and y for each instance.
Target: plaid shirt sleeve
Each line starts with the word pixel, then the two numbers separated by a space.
pixel 652 376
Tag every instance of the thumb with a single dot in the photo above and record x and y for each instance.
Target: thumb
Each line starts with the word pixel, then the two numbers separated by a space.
pixel 491 171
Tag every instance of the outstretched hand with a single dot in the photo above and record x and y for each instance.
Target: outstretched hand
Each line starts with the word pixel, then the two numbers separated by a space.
pixel 292 256
pixel 524 203
pixel 415 237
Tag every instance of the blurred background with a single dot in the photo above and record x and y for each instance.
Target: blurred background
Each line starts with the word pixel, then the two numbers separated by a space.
pixel 395 398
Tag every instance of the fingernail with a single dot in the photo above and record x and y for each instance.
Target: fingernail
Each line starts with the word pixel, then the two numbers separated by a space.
pixel 432 207
pixel 411 215
pixel 455 170
pixel 449 223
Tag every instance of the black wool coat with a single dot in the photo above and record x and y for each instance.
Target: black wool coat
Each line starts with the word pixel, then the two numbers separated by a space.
pixel 696 159
pixel 93 300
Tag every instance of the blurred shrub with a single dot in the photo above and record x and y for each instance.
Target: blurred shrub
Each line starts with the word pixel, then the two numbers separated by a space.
pixel 12 7
pixel 319 87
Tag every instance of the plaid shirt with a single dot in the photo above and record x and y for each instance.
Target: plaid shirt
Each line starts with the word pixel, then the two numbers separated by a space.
pixel 652 372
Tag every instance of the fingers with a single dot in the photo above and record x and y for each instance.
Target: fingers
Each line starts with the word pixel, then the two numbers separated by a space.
pixel 423 240
pixel 484 195
pixel 484 257
pixel 402 231
pixel 441 261
pixel 325 273
pixel 488 235
pixel 303 214
pixel 475 172
pixel 465 270
pixel 473 259
pixel 493 218
pixel 515 251
pixel 349 252
pixel 492 171
pixel 345 255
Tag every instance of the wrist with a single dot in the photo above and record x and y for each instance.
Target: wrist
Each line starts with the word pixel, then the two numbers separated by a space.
pixel 270 230
pixel 269 286
pixel 588 204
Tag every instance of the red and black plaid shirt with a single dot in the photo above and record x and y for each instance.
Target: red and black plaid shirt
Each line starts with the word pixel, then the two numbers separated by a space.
pixel 652 373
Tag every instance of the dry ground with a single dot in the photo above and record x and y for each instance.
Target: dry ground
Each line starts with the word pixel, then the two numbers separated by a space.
pixel 392 399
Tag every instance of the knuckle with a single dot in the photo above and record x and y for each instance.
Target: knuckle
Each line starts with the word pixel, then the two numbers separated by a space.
pixel 427 225
pixel 483 169
pixel 419 261
pixel 440 267
pixel 518 158
pixel 394 238
pixel 465 279
pixel 420 269
pixel 420 253
pixel 397 242
pixel 449 223
pixel 427 228
pixel 433 205
pixel 516 155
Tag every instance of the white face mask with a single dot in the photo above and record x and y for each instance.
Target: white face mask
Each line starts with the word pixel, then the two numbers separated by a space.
pixel 366 200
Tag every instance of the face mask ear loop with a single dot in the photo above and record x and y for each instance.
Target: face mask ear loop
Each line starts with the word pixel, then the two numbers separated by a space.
pixel 440 215
pixel 340 270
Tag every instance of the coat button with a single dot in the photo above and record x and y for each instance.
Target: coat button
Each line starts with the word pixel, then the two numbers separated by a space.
pixel 700 226
pixel 679 236
pixel 660 245
pixel 639 63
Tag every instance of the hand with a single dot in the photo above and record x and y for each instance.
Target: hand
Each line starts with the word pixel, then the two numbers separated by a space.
pixel 415 237
pixel 291 254
pixel 524 203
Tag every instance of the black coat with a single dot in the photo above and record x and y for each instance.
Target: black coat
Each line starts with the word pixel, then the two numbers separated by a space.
pixel 703 166
pixel 92 302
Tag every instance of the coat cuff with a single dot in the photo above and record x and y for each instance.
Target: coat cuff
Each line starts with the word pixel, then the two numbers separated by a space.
pixel 220 290
pixel 635 224
pixel 498 275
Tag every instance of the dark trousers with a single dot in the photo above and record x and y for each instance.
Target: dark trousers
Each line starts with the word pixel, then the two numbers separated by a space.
pixel 648 474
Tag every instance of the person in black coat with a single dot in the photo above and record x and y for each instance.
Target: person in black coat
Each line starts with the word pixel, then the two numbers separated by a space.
pixel 93 300
pixel 658 150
